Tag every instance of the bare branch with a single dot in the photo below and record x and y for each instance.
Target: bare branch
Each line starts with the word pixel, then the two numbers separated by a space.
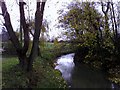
pixel 17 2
pixel 1 14
pixel 103 9
pixel 31 33
pixel 108 6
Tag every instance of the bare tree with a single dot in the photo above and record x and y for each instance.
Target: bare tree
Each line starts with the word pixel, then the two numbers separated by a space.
pixel 25 61
pixel 114 19
pixel 115 25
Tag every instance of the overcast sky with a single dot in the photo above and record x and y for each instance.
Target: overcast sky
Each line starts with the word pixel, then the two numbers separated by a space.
pixel 50 13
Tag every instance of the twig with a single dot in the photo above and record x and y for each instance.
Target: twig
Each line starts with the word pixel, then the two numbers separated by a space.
pixel 31 33
pixel 17 2
pixel 1 14
pixel 1 21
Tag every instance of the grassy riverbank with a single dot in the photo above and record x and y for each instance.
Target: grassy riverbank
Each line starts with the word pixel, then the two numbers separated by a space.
pixel 43 75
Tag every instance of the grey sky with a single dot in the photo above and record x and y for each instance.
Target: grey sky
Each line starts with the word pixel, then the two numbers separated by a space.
pixel 50 13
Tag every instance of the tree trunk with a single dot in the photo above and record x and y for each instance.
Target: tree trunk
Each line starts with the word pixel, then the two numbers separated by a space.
pixel 39 52
pixel 11 33
pixel 106 18
pixel 24 61
pixel 116 42
pixel 25 27
pixel 21 34
pixel 106 26
pixel 111 15
pixel 38 24
pixel 9 28
pixel 116 33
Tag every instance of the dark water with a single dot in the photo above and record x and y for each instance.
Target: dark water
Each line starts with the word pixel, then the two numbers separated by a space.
pixel 82 76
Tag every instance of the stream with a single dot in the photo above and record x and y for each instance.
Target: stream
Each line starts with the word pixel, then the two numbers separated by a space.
pixel 82 76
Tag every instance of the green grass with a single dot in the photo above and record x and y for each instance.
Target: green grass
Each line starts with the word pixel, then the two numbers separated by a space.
pixel 43 75
pixel 51 78
pixel 8 63
pixel 12 76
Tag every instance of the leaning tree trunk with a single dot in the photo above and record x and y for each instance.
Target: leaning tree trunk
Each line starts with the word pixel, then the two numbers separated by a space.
pixel 10 30
pixel 9 27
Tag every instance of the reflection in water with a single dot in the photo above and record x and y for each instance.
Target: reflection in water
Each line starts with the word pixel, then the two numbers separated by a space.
pixel 66 65
pixel 81 76
pixel 112 86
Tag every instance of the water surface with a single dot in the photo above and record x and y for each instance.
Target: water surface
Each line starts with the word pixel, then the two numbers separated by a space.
pixel 81 76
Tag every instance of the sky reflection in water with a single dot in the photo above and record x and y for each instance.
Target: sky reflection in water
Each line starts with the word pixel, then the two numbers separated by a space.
pixel 81 76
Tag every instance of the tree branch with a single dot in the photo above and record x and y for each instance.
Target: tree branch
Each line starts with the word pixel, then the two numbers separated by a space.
pixel 108 6
pixel 1 14
pixel 38 24
pixel 31 33
pixel 25 27
pixel 17 2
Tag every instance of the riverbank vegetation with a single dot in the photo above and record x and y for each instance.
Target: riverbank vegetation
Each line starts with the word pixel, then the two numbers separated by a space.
pixel 96 35
pixel 43 74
